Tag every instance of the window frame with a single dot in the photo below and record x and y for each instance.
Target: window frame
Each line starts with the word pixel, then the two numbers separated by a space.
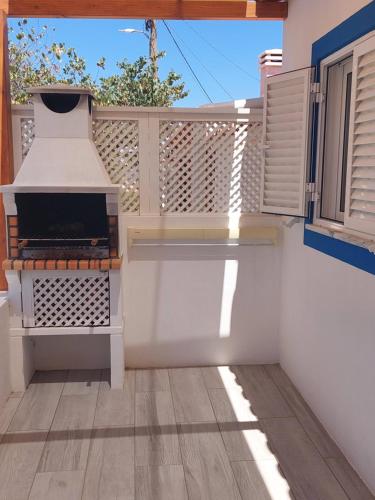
pixel 316 220
pixel 343 247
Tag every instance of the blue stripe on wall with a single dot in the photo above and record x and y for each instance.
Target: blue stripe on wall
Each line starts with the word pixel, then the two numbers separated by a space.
pixel 346 252
pixel 356 26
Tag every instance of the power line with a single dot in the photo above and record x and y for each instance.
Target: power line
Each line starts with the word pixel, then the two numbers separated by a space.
pixel 205 67
pixel 221 53
pixel 187 62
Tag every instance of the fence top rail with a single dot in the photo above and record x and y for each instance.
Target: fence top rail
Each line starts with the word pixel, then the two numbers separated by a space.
pixel 128 112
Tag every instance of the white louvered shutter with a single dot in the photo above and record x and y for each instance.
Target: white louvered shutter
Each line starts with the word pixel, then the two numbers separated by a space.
pixel 286 129
pixel 360 189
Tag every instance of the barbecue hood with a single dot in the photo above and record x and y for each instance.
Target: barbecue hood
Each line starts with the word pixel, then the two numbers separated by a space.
pixel 63 154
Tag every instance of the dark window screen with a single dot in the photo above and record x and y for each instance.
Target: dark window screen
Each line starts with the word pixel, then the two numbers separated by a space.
pixel 61 215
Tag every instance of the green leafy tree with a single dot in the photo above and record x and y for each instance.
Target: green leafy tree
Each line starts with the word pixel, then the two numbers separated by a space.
pixel 33 62
pixel 135 86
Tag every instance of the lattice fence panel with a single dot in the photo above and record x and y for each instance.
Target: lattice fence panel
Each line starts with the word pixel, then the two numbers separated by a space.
pixel 117 144
pixel 27 135
pixel 209 166
pixel 71 301
pixel 204 166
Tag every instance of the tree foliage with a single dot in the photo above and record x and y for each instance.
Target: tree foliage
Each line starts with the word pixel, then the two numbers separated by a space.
pixel 34 62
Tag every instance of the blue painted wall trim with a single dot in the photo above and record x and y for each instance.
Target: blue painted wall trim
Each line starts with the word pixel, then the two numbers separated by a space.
pixel 346 252
pixel 356 26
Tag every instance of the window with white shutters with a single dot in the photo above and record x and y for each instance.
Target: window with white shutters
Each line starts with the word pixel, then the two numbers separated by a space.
pixel 286 129
pixel 360 190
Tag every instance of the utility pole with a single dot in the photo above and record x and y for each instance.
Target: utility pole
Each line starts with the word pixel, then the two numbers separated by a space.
pixel 150 27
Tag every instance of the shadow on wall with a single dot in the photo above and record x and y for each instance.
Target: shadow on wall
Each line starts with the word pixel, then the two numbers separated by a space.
pixel 201 306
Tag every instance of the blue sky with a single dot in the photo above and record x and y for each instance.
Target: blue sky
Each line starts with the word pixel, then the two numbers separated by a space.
pixel 239 41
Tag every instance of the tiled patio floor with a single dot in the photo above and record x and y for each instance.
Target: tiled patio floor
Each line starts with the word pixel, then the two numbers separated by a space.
pixel 190 433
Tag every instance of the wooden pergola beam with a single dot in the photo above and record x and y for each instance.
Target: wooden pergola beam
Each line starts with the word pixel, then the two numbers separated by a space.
pixel 141 9
pixel 6 143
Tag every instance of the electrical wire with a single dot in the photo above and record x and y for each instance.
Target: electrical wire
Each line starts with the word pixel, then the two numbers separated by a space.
pixel 204 66
pixel 187 62
pixel 221 53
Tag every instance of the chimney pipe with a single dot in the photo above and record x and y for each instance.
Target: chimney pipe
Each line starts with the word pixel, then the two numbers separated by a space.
pixel 270 63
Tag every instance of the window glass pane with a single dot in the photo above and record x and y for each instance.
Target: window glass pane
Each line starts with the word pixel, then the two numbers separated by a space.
pixel 346 140
pixel 337 108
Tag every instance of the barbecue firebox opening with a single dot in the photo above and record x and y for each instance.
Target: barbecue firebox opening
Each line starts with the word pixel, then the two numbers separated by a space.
pixel 62 225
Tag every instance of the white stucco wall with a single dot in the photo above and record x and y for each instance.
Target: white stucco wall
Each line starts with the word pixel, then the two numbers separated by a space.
pixel 327 333
pixel 191 306
pixel 307 21
pixel 4 351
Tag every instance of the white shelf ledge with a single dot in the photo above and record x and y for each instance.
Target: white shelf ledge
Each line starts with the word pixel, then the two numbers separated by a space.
pixel 246 236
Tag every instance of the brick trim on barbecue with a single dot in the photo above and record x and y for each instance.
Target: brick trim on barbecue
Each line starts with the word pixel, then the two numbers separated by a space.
pixel 61 265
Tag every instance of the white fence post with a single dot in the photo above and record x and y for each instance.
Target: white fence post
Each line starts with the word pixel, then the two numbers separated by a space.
pixel 154 164
pixel 144 165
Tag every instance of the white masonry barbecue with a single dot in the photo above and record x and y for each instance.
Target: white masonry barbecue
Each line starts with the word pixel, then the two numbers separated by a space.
pixel 64 261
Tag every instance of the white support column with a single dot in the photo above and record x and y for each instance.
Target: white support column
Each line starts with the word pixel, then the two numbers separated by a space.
pixel 17 142
pixel 14 298
pixel 117 361
pixel 21 362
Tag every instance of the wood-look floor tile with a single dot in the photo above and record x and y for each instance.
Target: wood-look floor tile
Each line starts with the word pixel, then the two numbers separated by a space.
pixel 19 457
pixel 68 441
pixel 63 485
pixel 115 407
pixel 318 435
pixel 39 403
pixel 82 382
pixel 166 482
pixel 244 438
pixel 110 468
pixel 7 413
pixel 156 441
pixel 190 396
pixel 152 380
pixel 261 392
pixel 212 377
pixel 261 481
pixel 207 469
pixel 305 470
pixel 349 479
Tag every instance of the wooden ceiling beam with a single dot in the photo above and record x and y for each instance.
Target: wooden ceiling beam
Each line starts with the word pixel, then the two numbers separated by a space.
pixel 141 9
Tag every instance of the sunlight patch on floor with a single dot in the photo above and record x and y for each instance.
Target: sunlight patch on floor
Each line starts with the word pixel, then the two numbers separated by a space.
pixel 265 463
pixel 240 404
pixel 277 486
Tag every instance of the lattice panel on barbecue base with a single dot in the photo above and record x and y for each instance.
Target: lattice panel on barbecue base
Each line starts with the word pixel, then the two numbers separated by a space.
pixel 71 301
pixel 209 167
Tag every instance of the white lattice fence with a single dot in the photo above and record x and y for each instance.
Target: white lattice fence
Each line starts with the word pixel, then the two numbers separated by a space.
pixel 201 162
pixel 209 167
pixel 117 144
